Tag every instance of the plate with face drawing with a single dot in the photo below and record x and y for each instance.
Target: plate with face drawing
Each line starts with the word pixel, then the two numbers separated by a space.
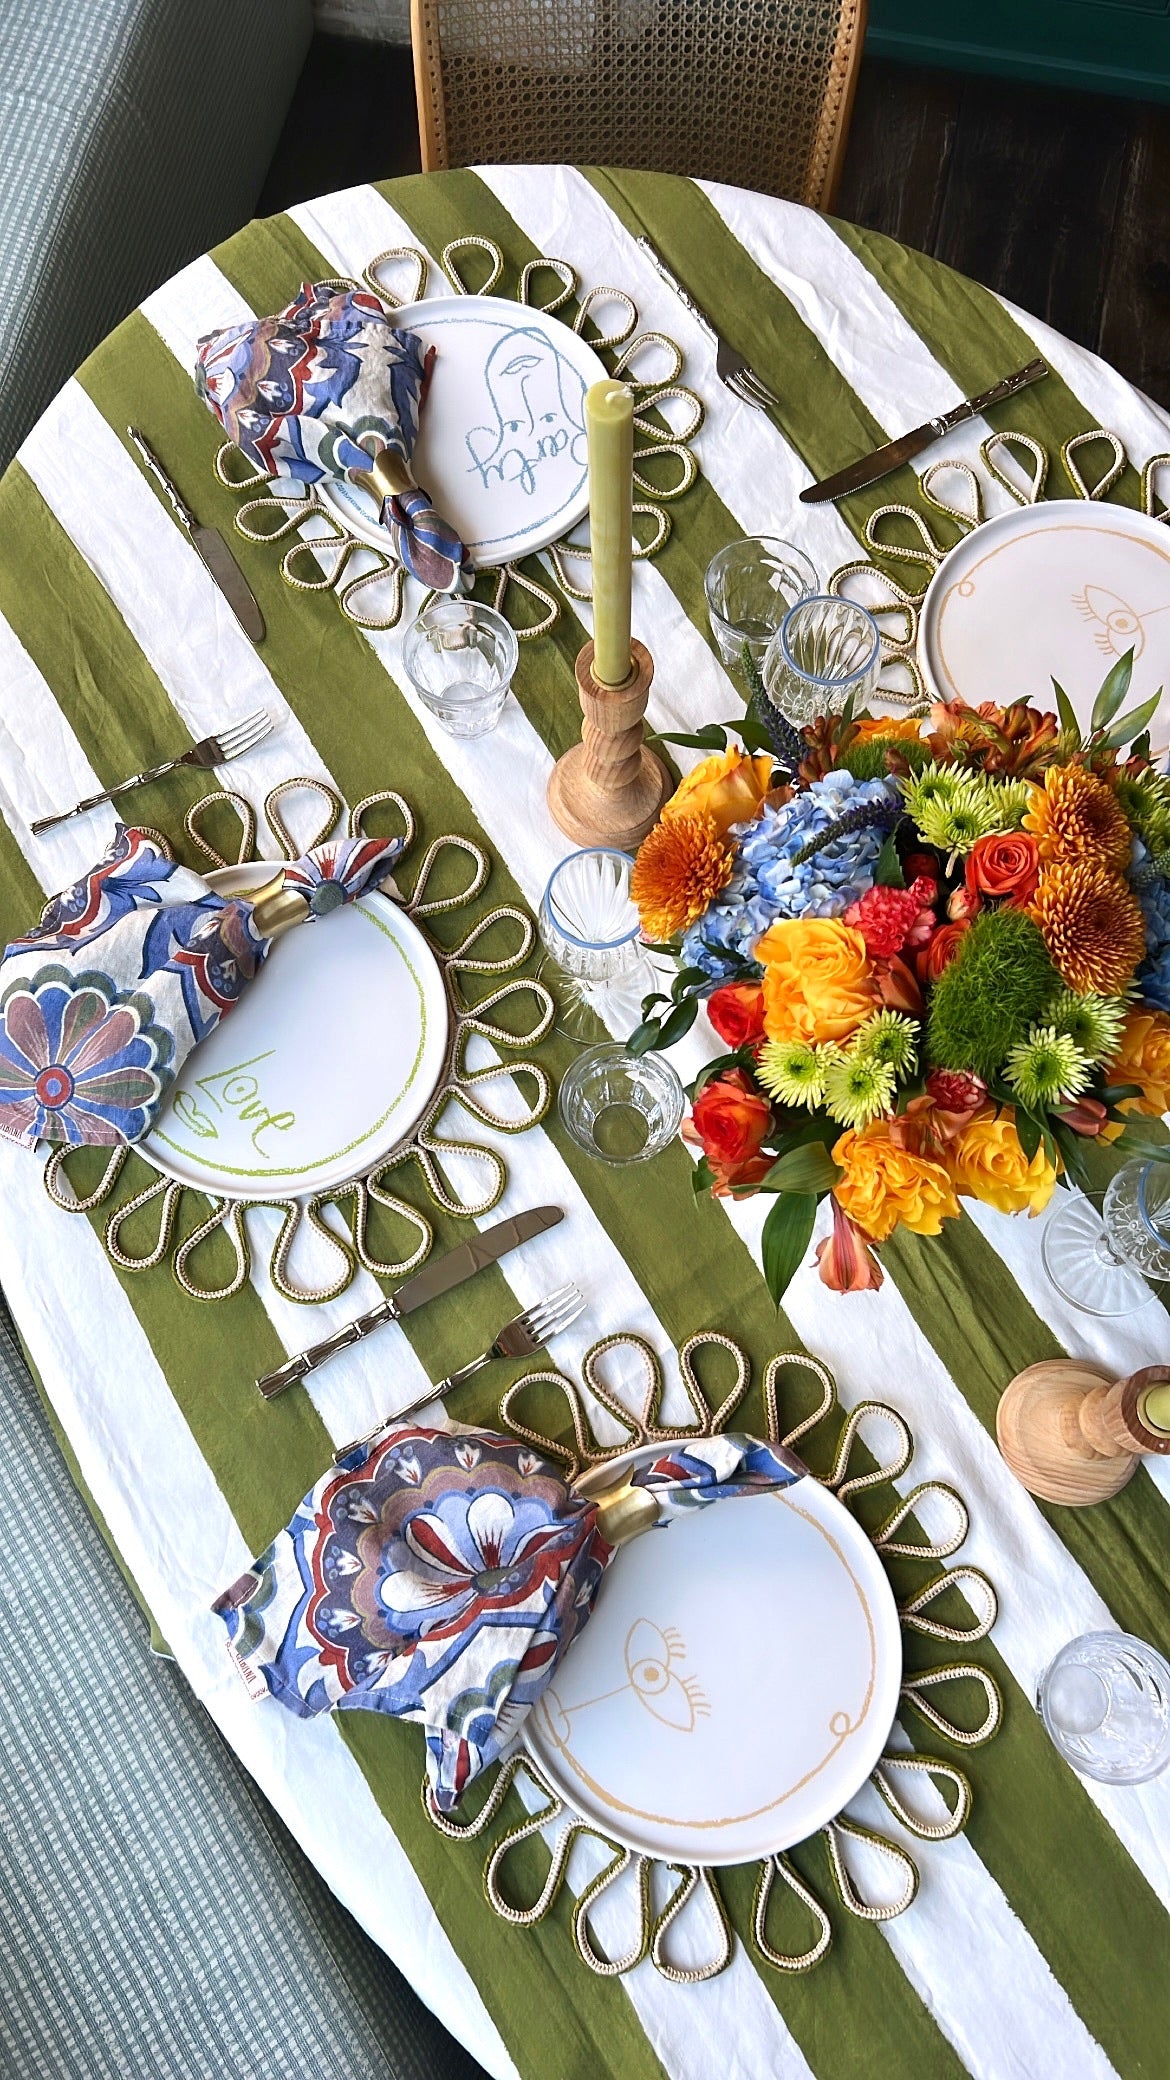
pixel 1054 591
pixel 501 446
pixel 735 1685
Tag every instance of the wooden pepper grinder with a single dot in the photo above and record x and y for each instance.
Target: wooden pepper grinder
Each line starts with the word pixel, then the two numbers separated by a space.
pixel 609 788
pixel 1073 1434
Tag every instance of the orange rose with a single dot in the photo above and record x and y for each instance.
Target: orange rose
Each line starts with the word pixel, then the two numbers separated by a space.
pixel 883 1186
pixel 1144 1057
pixel 818 983
pixel 988 1163
pixel 729 1121
pixel 1005 864
pixel 727 787
pixel 941 951
pixel 737 1013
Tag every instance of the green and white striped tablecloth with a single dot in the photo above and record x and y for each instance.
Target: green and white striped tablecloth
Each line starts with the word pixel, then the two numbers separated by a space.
pixel 1037 1943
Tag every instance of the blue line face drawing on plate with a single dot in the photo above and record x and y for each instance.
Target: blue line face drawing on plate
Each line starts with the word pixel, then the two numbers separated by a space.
pixel 537 399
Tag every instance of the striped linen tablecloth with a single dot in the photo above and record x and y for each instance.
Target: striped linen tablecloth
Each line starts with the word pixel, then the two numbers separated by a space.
pixel 1036 1944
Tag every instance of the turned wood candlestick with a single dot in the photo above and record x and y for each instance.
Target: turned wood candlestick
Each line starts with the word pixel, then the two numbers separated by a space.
pixel 609 788
pixel 1073 1434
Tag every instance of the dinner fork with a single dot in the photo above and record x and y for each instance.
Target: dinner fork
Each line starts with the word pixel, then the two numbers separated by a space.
pixel 733 370
pixel 526 1334
pixel 213 751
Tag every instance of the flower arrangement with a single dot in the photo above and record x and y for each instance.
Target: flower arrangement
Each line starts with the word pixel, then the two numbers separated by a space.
pixel 937 952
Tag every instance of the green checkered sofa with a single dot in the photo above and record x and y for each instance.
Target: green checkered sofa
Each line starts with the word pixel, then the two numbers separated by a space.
pixel 133 135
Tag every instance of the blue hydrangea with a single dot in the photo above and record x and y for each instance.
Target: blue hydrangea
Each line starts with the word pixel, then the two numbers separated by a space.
pixel 1153 977
pixel 768 883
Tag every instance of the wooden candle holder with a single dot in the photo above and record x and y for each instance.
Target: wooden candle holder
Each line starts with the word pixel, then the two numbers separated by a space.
pixel 609 789
pixel 1072 1434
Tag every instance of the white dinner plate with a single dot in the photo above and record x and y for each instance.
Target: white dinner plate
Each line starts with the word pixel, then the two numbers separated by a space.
pixel 735 1685
pixel 501 446
pixel 1059 590
pixel 330 1057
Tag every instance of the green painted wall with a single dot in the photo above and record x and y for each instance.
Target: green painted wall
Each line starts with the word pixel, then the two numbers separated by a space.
pixel 1107 46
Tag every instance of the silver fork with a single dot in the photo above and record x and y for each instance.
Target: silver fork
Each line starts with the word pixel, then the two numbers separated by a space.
pixel 213 751
pixel 521 1338
pixel 733 371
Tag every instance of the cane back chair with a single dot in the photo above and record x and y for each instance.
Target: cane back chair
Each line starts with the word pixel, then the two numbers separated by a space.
pixel 757 93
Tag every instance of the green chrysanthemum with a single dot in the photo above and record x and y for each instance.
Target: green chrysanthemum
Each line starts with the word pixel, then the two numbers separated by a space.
pixel 858 1088
pixel 1010 798
pixel 1093 1022
pixel 791 1071
pixel 952 810
pixel 890 1037
pixel 1046 1067
pixel 1145 800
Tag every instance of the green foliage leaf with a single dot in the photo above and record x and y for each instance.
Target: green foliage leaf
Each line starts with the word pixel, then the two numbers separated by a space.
pixel 754 735
pixel 1128 725
pixel 1068 720
pixel 643 1037
pixel 1114 687
pixel 888 871
pixel 702 1176
pixel 685 982
pixel 787 1233
pixel 1140 748
pixel 816 1126
pixel 1072 1153
pixel 680 1021
pixel 710 738
pixel 1113 1093
pixel 1029 1131
pixel 806 1169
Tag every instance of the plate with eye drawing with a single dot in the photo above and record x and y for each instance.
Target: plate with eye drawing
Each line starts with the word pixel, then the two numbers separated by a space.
pixel 501 445
pixel 1059 590
pixel 735 1686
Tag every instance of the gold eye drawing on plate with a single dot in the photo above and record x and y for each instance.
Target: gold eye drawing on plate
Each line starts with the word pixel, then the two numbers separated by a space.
pixel 651 1653
pixel 678 1700
pixel 1118 625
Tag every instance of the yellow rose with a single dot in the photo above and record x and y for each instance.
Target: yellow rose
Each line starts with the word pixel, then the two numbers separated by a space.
pixel 987 1162
pixel 884 1187
pixel 818 983
pixel 728 787
pixel 1144 1057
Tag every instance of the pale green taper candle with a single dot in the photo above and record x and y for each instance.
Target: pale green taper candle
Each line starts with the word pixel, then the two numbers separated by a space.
pixel 609 423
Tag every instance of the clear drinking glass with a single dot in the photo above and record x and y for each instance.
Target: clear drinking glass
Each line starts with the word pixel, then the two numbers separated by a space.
pixel 619 1107
pixel 1101 1261
pixel 460 658
pixel 751 584
pixel 1105 1701
pixel 590 930
pixel 824 650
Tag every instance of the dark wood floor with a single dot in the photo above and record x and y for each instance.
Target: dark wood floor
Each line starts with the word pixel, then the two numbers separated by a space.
pixel 1059 200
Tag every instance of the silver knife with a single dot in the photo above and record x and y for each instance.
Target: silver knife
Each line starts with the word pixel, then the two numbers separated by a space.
pixel 209 544
pixel 883 460
pixel 436 1277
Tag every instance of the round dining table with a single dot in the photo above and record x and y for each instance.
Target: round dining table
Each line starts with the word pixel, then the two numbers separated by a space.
pixel 1035 1944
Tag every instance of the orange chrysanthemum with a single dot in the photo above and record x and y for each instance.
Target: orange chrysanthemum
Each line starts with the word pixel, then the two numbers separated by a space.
pixel 681 866
pixel 1092 925
pixel 1073 815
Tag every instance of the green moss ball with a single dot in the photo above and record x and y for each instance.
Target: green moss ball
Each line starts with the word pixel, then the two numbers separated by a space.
pixel 994 989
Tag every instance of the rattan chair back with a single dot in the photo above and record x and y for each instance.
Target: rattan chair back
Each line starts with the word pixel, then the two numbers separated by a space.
pixel 754 92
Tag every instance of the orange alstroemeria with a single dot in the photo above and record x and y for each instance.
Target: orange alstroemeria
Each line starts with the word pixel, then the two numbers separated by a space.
pixel 845 1261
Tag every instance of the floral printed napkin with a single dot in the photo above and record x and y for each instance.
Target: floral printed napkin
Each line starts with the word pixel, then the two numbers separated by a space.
pixel 101 1003
pixel 441 1576
pixel 320 390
